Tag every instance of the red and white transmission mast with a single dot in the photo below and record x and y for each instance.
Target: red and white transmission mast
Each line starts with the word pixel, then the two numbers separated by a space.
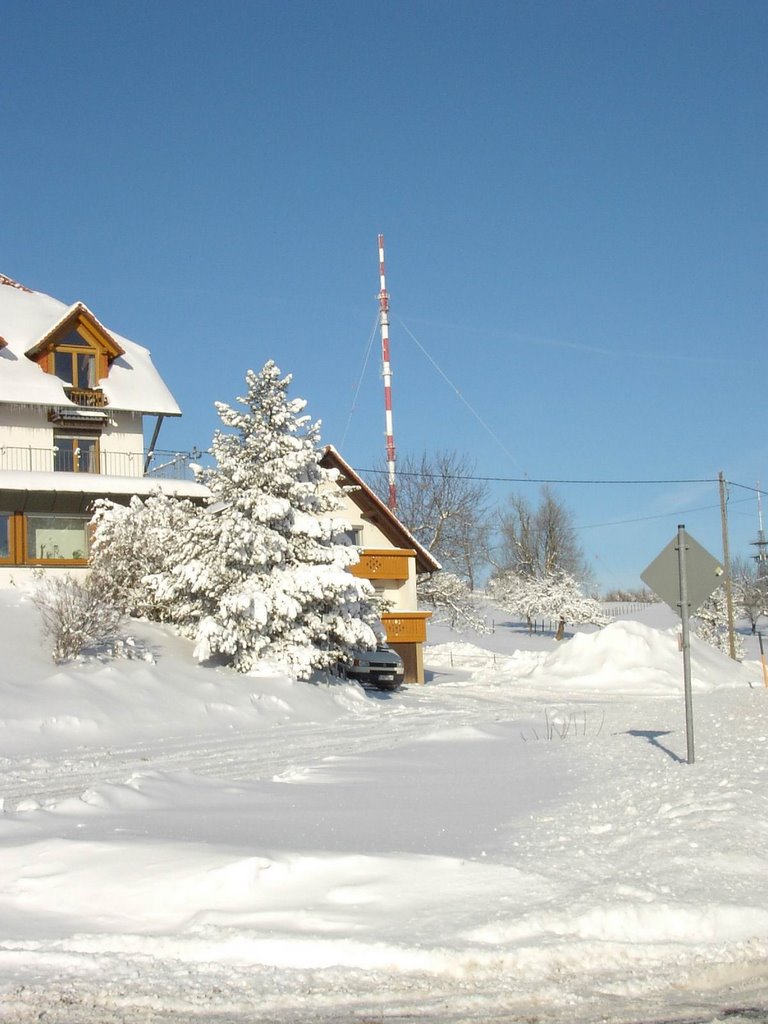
pixel 387 375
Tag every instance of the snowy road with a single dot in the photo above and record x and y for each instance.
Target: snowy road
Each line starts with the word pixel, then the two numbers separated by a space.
pixel 242 753
pixel 519 840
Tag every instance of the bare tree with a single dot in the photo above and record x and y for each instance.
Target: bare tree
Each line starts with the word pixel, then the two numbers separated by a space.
pixel 539 540
pixel 749 588
pixel 75 616
pixel 451 596
pixel 445 508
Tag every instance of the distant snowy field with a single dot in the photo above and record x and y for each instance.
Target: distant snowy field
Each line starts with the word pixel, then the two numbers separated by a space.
pixel 520 838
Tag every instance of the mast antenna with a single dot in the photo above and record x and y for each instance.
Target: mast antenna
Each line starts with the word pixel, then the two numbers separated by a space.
pixel 387 376
pixel 761 543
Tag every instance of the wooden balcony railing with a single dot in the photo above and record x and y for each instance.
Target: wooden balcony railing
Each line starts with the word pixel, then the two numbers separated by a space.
pixel 385 564
pixel 89 398
pixel 406 627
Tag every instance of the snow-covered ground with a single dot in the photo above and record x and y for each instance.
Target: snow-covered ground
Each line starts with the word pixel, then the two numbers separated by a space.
pixel 521 838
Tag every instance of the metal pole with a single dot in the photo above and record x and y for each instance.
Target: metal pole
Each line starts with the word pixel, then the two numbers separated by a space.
pixel 685 616
pixel 387 374
pixel 727 570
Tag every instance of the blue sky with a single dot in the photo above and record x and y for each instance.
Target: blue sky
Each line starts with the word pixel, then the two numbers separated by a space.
pixel 573 196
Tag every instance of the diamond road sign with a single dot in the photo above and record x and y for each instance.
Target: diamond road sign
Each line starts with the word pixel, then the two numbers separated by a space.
pixel 703 574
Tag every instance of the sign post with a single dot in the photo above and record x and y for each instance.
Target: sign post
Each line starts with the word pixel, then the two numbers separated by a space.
pixel 682 569
pixel 684 575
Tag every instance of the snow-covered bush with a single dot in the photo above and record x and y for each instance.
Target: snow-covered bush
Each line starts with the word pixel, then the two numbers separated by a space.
pixel 710 623
pixel 75 616
pixel 556 595
pixel 451 595
pixel 131 544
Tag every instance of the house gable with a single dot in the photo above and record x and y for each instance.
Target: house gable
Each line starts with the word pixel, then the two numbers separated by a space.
pixel 78 348
pixel 375 510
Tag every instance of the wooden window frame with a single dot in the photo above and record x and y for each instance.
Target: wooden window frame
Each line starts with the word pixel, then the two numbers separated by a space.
pixel 16 539
pixel 72 434
pixel 90 344
pixel 28 559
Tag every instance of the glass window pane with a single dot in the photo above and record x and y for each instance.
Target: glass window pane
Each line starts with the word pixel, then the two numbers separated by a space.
pixel 5 535
pixel 88 455
pixel 63 366
pixel 74 340
pixel 64 453
pixel 57 537
pixel 86 371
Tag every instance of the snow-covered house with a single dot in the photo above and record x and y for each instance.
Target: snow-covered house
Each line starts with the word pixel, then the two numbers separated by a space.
pixel 392 559
pixel 73 401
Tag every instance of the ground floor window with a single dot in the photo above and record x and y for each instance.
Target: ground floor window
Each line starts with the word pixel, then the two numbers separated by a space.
pixel 5 536
pixel 36 539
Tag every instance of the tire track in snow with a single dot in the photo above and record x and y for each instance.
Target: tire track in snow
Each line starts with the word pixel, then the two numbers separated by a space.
pixel 239 754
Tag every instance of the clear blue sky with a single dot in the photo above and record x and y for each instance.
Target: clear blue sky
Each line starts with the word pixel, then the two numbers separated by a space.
pixel 573 196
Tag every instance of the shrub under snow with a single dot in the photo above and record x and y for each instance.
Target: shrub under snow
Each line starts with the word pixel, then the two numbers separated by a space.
pixel 75 616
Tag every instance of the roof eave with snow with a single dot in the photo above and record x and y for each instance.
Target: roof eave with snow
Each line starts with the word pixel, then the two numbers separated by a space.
pixel 29 319
pixel 368 501
pixel 96 485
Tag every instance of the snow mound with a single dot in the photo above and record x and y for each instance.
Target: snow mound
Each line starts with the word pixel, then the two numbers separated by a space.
pixel 94 701
pixel 628 657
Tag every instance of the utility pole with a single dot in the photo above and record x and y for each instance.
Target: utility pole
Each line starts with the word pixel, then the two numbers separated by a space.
pixel 727 569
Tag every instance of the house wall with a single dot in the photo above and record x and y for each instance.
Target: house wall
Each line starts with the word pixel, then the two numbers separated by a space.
pixel 26 439
pixel 27 578
pixel 401 593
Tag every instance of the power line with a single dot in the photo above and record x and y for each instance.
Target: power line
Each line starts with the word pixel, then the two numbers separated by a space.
pixel 539 480
pixel 563 480
pixel 459 395
pixel 360 381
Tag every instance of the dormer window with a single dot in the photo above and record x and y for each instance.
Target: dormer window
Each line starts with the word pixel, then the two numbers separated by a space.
pixel 75 361
pixel 79 351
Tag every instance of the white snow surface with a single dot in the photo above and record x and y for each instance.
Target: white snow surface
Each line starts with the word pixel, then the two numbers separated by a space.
pixel 519 839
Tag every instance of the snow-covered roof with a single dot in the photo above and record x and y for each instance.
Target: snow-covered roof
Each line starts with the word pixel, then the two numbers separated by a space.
pixel 368 501
pixel 27 319
pixel 32 489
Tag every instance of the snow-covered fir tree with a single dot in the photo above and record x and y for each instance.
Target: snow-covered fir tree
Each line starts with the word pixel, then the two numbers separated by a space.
pixel 263 572
pixel 710 623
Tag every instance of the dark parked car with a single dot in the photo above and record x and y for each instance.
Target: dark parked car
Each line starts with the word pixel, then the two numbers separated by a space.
pixel 382 668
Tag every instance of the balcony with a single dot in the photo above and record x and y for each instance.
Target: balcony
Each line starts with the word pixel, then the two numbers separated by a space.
pixel 406 627
pixel 385 564
pixel 162 465
pixel 88 398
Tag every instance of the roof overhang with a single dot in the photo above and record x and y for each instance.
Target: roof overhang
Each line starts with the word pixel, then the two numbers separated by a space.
pixel 76 492
pixel 77 317
pixel 371 504
pixel 76 415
